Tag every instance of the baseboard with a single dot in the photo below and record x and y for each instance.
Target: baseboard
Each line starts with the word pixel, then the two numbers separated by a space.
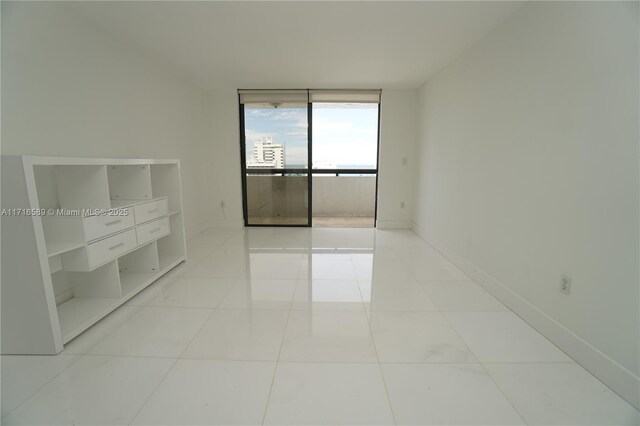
pixel 617 377
pixel 195 230
pixel 393 224
pixel 227 224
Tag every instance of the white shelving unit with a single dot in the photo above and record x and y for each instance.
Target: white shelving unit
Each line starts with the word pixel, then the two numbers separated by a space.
pixel 118 226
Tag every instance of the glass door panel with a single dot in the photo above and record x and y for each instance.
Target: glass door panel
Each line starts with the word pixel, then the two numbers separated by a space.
pixel 276 163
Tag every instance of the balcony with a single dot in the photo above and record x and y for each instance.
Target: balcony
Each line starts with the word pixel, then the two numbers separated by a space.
pixel 338 201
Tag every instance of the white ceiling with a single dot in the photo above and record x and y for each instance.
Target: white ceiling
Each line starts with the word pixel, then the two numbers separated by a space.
pixel 301 44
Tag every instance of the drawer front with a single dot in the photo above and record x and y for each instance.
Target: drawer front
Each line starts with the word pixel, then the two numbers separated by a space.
pixel 153 231
pixel 149 211
pixel 99 226
pixel 110 248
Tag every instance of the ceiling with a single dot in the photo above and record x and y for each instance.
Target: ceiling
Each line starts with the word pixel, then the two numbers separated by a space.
pixel 301 44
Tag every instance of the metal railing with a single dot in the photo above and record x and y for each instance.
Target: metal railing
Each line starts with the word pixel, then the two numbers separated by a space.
pixel 297 171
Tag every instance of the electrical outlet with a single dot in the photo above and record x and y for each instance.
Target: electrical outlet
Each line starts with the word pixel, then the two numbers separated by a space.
pixel 402 205
pixel 565 284
pixel 222 204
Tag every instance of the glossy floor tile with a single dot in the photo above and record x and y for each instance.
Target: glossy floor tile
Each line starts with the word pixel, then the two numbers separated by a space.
pixel 326 268
pixel 446 394
pixel 210 267
pixel 154 332
pixel 274 267
pixel 201 392
pixel 461 296
pixel 100 330
pixel 383 270
pixel 561 394
pixel 328 336
pixel 309 326
pixel 22 376
pixel 328 394
pixel 240 335
pixel 259 294
pixel 191 292
pixel 503 337
pixel 210 238
pixel 417 337
pixel 327 295
pixel 395 296
pixel 230 251
pixel 198 251
pixel 94 390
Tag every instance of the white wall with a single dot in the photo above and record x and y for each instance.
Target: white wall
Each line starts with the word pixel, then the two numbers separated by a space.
pixel 227 185
pixel 398 123
pixel 70 90
pixel 528 169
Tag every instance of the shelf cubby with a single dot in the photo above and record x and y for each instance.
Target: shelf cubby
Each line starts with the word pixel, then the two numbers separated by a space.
pixel 82 187
pixel 78 314
pixel 56 249
pixel 138 268
pixel 165 182
pixel 129 182
pixel 84 290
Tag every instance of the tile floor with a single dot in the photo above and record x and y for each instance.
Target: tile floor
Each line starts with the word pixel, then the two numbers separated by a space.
pixel 309 326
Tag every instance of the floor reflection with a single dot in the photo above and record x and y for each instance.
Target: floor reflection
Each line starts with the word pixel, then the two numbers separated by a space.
pixel 306 278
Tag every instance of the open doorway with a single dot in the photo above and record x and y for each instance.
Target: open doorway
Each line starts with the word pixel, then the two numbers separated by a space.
pixel 309 157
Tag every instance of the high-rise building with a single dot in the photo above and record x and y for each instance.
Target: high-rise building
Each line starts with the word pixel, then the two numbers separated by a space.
pixel 267 154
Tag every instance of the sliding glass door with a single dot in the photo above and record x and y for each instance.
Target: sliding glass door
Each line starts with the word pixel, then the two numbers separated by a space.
pixel 275 132
pixel 278 161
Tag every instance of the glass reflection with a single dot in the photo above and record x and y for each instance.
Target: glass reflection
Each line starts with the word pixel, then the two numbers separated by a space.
pixel 308 279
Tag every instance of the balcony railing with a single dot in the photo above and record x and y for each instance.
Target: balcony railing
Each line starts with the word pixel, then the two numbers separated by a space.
pixel 336 193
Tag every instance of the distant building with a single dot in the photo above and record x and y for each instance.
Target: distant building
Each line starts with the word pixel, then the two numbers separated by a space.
pixel 267 154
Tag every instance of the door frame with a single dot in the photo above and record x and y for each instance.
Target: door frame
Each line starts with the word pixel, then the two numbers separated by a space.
pixel 309 170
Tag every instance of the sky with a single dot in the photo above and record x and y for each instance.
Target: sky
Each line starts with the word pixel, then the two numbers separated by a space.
pixel 345 135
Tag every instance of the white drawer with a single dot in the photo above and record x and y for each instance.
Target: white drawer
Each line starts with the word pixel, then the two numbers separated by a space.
pixel 110 248
pixel 152 210
pixel 99 226
pixel 153 230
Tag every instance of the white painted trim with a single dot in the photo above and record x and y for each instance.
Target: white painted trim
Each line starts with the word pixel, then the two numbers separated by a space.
pixel 201 227
pixel 197 229
pixel 393 224
pixel 617 377
pixel 228 223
